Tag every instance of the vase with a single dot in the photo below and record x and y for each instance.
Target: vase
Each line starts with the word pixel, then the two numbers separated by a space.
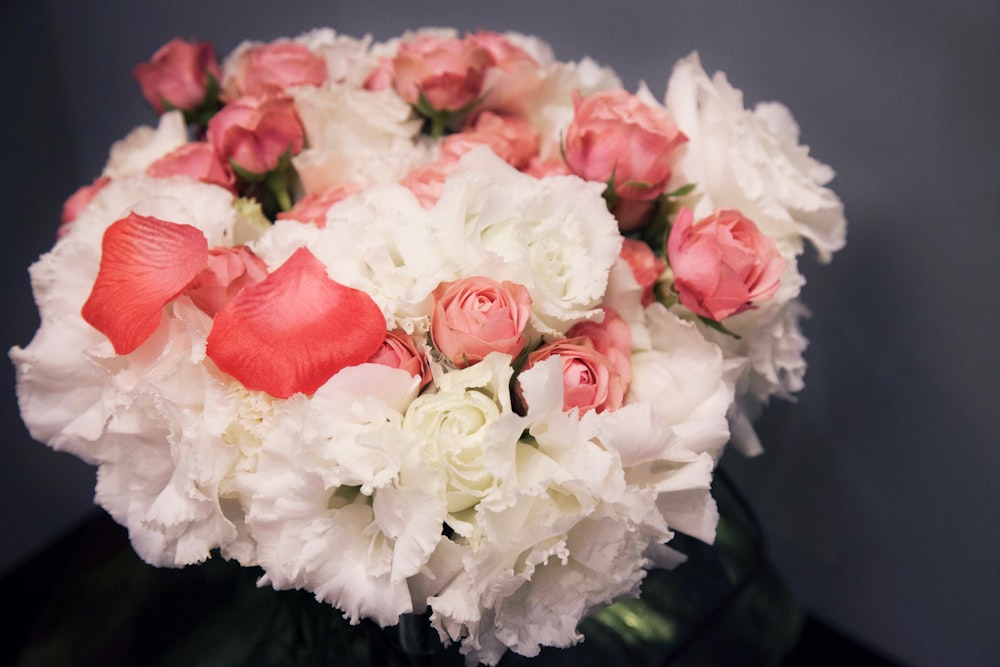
pixel 98 604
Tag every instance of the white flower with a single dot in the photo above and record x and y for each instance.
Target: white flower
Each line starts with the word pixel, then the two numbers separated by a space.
pixel 143 417
pixel 752 161
pixel 355 136
pixel 555 236
pixel 344 505
pixel 348 60
pixel 144 145
pixel 683 377
pixel 469 431
pixel 379 241
pixel 532 540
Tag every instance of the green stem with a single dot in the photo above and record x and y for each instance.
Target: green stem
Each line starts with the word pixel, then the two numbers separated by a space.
pixel 277 183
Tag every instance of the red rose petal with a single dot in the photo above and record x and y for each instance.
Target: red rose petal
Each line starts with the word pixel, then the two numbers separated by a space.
pixel 145 263
pixel 295 330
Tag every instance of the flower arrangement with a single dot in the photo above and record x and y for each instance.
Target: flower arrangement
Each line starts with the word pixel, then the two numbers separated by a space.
pixel 440 324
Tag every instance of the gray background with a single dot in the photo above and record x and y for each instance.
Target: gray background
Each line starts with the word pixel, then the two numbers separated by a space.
pixel 880 486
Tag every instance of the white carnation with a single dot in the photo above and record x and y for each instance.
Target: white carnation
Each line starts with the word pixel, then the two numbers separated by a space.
pixel 555 236
pixel 683 377
pixel 348 60
pixel 355 136
pixel 752 161
pixel 380 241
pixel 344 505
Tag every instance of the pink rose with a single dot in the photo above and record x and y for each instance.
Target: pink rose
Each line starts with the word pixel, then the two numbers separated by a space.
pixel 255 133
pixel 79 200
pixel 590 381
pixel 515 140
pixel 229 270
pixel 505 54
pixel 723 264
pixel 513 80
pixel 313 207
pixel 398 351
pixel 447 71
pixel 197 159
pixel 271 68
pixel 646 267
pixel 382 76
pixel 177 75
pixel 612 337
pixel 426 182
pixel 475 316
pixel 614 133
pixel 540 168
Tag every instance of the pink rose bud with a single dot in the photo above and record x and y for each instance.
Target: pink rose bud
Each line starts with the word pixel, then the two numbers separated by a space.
pixel 612 337
pixel 79 200
pixel 272 68
pixel 177 75
pixel 540 168
pixel 426 182
pixel 198 160
pixel 614 133
pixel 646 266
pixel 475 316
pixel 514 140
pixel 255 133
pixel 448 72
pixel 723 264
pixel 505 54
pixel 590 381
pixel 313 207
pixel 398 351
pixel 382 76
pixel 229 270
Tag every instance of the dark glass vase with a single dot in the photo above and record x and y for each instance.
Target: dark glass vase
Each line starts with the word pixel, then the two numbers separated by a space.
pixel 102 606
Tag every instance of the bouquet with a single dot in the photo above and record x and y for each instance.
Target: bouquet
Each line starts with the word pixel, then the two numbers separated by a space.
pixel 440 325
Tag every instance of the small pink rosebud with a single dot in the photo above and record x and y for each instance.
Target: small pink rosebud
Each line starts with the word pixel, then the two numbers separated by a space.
pixel 505 54
pixel 723 264
pixel 514 140
pixel 399 351
pixel 426 181
pixel 448 72
pixel 255 133
pixel 79 200
pixel 615 134
pixel 313 207
pixel 178 75
pixel 646 266
pixel 475 316
pixel 590 380
pixel 612 337
pixel 268 69
pixel 228 271
pixel 382 76
pixel 197 159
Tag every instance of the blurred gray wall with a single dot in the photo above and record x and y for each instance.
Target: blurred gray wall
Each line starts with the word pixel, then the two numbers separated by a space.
pixel 880 487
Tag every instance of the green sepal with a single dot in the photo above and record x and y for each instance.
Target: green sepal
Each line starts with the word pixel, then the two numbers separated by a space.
pixel 681 191
pixel 439 122
pixel 712 324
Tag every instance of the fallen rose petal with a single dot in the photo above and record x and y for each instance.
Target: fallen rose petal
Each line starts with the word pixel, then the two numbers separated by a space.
pixel 294 330
pixel 145 263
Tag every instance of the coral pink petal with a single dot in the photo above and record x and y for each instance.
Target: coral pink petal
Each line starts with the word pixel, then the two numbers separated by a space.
pixel 145 263
pixel 294 330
